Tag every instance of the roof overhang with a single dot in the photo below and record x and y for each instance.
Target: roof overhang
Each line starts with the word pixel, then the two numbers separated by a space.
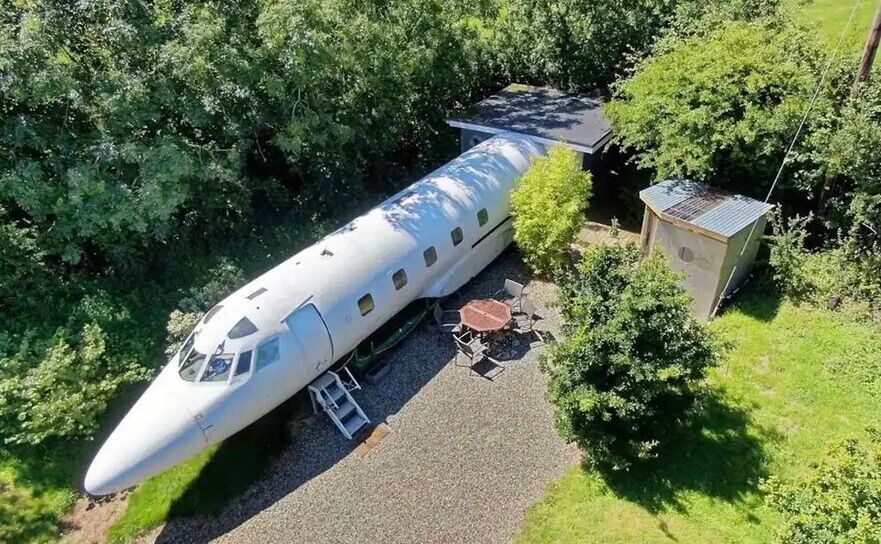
pixel 590 150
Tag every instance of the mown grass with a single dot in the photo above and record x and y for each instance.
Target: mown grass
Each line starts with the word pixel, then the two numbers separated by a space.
pixel 830 16
pixel 794 380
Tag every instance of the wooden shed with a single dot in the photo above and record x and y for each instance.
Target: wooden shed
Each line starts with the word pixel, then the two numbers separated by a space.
pixel 710 235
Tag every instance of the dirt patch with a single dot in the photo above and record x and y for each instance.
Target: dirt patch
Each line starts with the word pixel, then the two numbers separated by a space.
pixel 91 519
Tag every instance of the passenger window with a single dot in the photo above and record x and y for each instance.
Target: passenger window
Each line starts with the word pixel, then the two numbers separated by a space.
pixel 244 364
pixel 365 304
pixel 430 256
pixel 267 353
pixel 456 235
pixel 482 217
pixel 400 279
pixel 217 369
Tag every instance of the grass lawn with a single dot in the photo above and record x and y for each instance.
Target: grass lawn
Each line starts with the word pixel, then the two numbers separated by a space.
pixel 35 492
pixel 794 380
pixel 832 15
pixel 208 482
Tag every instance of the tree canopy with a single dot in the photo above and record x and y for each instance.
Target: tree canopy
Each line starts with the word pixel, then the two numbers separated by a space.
pixel 719 107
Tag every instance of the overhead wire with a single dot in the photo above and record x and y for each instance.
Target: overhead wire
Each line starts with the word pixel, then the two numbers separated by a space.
pixel 822 83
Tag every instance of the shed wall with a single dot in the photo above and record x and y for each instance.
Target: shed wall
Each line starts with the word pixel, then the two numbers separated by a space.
pixel 699 257
pixel 745 262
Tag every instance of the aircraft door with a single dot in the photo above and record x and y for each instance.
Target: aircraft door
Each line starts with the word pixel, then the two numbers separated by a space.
pixel 312 335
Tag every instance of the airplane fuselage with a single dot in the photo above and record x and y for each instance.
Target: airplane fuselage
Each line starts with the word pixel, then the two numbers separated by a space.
pixel 272 337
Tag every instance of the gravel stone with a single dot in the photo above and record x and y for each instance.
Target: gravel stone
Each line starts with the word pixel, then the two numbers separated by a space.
pixel 465 457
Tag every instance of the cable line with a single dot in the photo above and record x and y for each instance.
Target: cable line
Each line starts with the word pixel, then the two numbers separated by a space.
pixel 789 149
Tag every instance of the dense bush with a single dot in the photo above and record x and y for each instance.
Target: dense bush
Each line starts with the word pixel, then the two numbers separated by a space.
pixel 576 45
pixel 815 276
pixel 58 388
pixel 123 122
pixel 839 503
pixel 626 372
pixel 721 106
pixel 548 205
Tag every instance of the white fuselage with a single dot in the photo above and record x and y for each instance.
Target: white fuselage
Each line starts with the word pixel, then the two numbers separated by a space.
pixel 271 338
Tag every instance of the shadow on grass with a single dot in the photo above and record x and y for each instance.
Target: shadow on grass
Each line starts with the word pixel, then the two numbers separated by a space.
pixel 719 454
pixel 758 298
pixel 238 462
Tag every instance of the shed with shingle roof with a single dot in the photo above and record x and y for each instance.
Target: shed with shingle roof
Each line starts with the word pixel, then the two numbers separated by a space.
pixel 709 234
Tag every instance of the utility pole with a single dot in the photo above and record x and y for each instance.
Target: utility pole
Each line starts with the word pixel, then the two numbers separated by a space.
pixel 871 48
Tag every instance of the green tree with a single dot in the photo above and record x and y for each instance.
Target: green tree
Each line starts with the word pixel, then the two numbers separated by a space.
pixel 578 45
pixel 548 206
pixel 720 107
pixel 839 502
pixel 127 124
pixel 626 372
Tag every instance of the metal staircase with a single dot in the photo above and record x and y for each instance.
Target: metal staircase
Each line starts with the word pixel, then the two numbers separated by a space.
pixel 332 394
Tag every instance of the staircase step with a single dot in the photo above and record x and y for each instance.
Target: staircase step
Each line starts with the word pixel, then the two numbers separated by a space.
pixel 323 381
pixel 345 408
pixel 336 393
pixel 354 423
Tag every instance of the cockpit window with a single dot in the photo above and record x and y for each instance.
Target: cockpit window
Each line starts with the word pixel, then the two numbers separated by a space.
pixel 243 328
pixel 185 349
pixel 217 369
pixel 190 367
pixel 211 313
pixel 267 353
pixel 244 364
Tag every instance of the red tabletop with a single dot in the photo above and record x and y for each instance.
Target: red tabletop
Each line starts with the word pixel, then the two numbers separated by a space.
pixel 485 315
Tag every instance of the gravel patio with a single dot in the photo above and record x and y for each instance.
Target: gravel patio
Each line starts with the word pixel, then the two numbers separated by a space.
pixel 464 457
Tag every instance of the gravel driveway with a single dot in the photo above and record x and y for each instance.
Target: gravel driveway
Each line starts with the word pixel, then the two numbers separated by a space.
pixel 466 455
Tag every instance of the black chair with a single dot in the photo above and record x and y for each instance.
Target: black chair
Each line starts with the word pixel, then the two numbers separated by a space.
pixel 511 294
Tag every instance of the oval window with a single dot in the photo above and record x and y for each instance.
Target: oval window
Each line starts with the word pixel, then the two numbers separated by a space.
pixel 482 217
pixel 686 255
pixel 430 256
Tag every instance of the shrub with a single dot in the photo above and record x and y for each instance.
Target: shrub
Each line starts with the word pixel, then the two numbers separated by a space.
pixel 59 388
pixel 839 502
pixel 719 106
pixel 788 256
pixel 180 325
pixel 625 374
pixel 548 207
pixel 813 277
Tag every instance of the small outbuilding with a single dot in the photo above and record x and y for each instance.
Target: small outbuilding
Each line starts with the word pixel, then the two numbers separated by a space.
pixel 544 115
pixel 710 235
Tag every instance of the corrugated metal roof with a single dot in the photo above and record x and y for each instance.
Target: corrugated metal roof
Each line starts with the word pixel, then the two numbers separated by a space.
pixel 703 206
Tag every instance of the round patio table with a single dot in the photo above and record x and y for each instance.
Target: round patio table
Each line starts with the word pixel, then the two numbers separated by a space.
pixel 485 315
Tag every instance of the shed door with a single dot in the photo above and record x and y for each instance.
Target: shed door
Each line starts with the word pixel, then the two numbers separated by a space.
pixel 311 334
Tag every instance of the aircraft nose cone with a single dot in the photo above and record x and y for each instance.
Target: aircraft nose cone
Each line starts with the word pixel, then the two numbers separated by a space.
pixel 157 434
